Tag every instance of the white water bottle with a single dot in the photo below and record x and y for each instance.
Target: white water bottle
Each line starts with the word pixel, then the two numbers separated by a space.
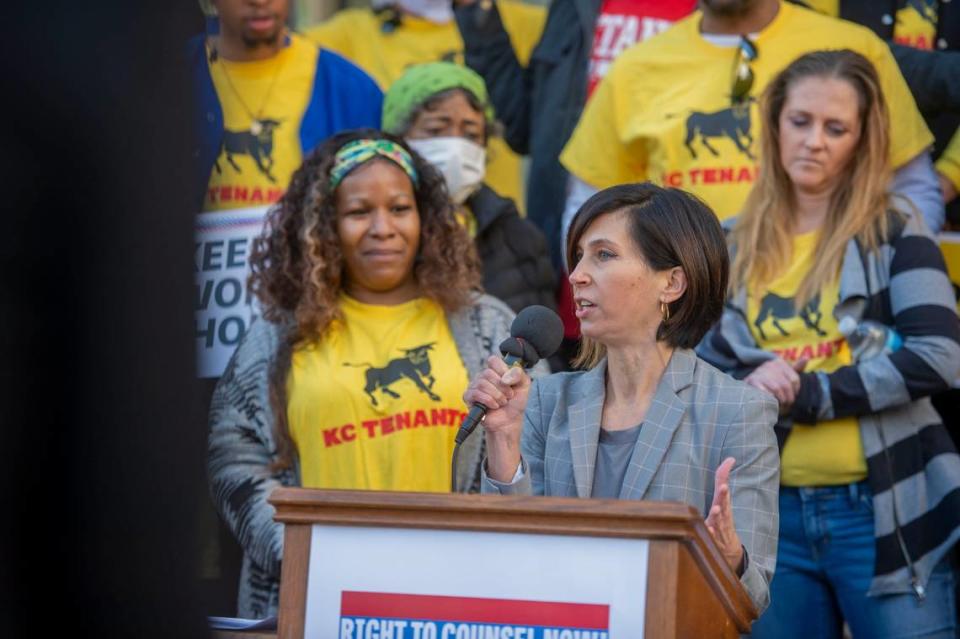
pixel 868 338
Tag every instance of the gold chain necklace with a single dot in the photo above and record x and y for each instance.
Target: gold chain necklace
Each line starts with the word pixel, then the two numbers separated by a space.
pixel 255 119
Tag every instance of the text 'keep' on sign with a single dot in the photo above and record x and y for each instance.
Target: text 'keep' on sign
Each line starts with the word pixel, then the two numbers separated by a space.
pixel 223 306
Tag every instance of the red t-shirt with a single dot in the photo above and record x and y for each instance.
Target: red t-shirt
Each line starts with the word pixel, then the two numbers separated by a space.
pixel 623 23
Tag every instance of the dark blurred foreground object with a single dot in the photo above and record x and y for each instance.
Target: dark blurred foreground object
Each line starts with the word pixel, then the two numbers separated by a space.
pixel 101 461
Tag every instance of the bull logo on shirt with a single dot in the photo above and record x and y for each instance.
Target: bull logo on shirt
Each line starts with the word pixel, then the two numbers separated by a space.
pixel 257 142
pixel 732 123
pixel 414 365
pixel 777 308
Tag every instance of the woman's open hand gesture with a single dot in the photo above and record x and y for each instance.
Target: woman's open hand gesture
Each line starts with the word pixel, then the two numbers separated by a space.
pixel 720 518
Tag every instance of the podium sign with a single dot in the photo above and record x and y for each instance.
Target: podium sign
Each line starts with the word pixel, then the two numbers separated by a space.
pixel 444 584
pixel 380 565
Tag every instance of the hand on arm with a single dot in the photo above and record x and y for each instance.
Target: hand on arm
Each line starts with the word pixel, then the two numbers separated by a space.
pixel 925 316
pixel 780 379
pixel 503 390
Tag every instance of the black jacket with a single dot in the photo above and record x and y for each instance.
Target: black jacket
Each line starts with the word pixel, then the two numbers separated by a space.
pixel 879 16
pixel 539 105
pixel 516 265
pixel 933 76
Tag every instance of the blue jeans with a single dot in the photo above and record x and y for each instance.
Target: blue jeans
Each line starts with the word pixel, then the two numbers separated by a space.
pixel 824 567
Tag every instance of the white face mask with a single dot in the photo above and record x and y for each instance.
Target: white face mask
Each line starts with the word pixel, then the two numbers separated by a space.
pixel 462 163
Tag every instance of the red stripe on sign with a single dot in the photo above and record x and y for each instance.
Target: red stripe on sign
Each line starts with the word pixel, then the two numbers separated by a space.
pixel 472 609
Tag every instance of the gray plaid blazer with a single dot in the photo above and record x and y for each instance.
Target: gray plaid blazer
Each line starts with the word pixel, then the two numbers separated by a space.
pixel 698 417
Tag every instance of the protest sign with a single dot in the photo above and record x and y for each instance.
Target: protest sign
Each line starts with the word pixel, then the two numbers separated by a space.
pixel 366 583
pixel 223 306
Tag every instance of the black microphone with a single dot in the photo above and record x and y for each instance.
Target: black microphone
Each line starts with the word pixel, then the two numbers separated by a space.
pixel 536 333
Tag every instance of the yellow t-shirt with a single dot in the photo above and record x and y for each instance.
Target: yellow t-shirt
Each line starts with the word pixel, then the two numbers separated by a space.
pixel 376 403
pixel 829 453
pixel 357 35
pixel 256 160
pixel 826 7
pixel 663 112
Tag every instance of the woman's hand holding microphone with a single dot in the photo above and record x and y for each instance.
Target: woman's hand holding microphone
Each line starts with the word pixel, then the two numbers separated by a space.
pixel 503 390
pixel 536 333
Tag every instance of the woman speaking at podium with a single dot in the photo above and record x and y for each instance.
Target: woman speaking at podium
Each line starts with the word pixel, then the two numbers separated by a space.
pixel 646 419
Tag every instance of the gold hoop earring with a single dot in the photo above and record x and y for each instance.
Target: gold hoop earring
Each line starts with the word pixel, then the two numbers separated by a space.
pixel 665 310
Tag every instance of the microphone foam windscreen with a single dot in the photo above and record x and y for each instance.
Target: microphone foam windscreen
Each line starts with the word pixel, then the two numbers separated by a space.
pixel 521 349
pixel 539 326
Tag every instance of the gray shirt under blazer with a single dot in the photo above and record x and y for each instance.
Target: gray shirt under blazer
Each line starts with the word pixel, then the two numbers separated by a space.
pixel 698 417
pixel 613 459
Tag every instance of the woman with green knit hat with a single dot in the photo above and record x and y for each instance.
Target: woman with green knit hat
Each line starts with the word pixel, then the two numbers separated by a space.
pixel 444 112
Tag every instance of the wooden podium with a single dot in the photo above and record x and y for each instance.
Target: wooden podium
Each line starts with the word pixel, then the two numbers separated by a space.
pixel 689 592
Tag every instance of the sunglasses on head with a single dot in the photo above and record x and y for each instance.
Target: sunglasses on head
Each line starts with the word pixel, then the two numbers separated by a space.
pixel 742 72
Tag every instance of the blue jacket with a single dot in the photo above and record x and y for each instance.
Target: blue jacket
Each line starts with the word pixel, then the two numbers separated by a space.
pixel 344 97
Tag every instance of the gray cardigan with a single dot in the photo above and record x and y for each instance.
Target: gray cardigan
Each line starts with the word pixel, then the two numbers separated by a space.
pixel 912 465
pixel 698 417
pixel 242 448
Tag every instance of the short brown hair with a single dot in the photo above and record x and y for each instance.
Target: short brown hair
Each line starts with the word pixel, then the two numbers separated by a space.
pixel 670 228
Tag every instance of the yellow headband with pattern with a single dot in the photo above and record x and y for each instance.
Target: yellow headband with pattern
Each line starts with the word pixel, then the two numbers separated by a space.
pixel 358 152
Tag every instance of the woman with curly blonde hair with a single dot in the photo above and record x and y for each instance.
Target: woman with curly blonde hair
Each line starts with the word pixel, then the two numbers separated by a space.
pixel 372 324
